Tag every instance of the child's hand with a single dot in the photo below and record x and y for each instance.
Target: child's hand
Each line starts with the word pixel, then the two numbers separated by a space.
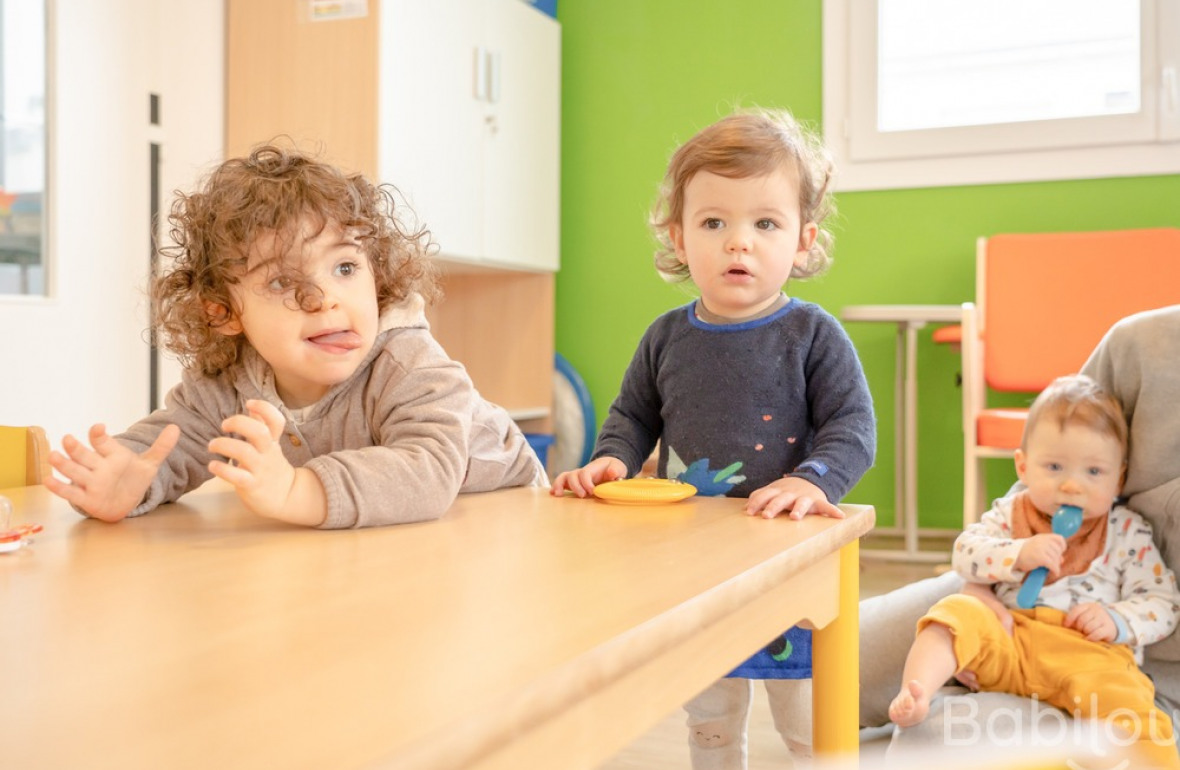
pixel 581 481
pixel 1093 620
pixel 986 594
pixel 264 480
pixel 107 480
pixel 1041 551
pixel 793 494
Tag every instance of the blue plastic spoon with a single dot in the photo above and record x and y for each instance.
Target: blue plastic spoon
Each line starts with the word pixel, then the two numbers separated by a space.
pixel 1066 522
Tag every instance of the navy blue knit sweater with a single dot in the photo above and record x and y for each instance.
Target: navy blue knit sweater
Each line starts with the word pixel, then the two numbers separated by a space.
pixel 782 395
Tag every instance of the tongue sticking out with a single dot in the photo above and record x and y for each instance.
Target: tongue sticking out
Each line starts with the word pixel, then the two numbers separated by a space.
pixel 345 340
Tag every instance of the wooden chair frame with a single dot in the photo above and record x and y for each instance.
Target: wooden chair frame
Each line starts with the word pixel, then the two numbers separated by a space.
pixel 1069 288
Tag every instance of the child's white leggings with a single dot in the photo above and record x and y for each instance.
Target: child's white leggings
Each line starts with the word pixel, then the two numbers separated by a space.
pixel 717 721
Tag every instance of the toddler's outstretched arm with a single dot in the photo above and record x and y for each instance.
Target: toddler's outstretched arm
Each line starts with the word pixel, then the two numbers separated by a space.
pixel 107 479
pixel 265 481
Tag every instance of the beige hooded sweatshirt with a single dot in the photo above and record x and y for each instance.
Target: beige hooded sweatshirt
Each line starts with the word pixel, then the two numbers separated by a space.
pixel 395 443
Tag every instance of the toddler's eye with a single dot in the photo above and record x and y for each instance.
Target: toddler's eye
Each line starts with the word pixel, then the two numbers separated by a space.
pixel 347 268
pixel 712 223
pixel 1094 471
pixel 766 224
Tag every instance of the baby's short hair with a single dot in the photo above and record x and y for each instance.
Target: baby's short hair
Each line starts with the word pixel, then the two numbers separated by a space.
pixel 273 191
pixel 745 144
pixel 1076 399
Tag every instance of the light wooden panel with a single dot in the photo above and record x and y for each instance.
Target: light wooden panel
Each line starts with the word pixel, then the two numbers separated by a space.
pixel 314 81
pixel 500 325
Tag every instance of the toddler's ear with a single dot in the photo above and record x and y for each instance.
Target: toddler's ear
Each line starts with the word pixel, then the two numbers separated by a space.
pixel 808 234
pixel 222 320
pixel 676 234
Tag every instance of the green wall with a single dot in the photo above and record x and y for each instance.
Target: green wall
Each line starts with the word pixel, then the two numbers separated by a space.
pixel 641 76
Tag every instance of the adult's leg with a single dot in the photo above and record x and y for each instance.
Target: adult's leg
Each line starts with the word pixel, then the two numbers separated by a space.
pixel 717 720
pixel 1165 674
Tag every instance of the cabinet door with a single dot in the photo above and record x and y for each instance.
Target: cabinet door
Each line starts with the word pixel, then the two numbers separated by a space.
pixel 292 79
pixel 522 137
pixel 431 122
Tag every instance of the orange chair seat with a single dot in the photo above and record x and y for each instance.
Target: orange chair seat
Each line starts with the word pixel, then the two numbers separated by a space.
pixel 948 335
pixel 1001 428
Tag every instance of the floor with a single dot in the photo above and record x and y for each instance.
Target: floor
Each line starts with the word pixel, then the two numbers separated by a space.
pixel 664 746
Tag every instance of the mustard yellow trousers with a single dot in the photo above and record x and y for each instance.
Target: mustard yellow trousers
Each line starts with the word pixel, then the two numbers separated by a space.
pixel 1058 665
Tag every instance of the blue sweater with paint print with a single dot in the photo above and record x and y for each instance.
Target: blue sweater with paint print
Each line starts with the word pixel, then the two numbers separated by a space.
pixel 737 406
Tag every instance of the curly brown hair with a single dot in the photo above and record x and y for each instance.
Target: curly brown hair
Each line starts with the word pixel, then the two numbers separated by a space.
pixel 745 144
pixel 274 192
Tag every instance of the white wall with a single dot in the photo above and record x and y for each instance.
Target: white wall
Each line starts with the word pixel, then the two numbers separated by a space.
pixel 80 356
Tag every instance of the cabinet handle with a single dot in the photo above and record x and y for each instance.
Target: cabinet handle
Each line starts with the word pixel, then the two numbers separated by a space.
pixel 493 77
pixel 480 86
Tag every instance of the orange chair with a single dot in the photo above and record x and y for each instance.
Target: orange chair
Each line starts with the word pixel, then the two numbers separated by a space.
pixel 24 456
pixel 1043 302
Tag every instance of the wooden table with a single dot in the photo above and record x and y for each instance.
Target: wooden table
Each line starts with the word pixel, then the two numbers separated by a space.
pixel 520 631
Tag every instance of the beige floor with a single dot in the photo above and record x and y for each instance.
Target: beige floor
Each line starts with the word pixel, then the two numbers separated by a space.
pixel 664 746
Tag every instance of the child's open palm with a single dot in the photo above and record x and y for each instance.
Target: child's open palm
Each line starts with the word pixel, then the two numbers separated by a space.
pixel 264 479
pixel 107 479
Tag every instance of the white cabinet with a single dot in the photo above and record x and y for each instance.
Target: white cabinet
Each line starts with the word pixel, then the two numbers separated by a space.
pixel 457 104
pixel 469 125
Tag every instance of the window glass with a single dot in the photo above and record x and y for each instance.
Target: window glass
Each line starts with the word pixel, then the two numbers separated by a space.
pixel 921 93
pixel 963 63
pixel 22 147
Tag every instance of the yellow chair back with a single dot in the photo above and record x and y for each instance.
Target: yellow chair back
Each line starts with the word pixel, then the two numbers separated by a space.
pixel 24 456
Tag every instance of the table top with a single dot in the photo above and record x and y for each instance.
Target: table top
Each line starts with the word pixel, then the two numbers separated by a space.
pixel 903 313
pixel 202 636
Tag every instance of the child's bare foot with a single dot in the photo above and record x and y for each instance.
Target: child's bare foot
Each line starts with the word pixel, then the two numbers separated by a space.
pixel 910 706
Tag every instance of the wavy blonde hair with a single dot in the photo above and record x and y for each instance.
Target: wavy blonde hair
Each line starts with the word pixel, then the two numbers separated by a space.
pixel 745 144
pixel 1076 399
pixel 275 193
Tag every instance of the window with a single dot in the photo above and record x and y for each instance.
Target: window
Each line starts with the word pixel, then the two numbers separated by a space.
pixel 22 147
pixel 946 92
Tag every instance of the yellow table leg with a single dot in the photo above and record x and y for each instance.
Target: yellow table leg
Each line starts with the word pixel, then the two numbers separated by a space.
pixel 835 661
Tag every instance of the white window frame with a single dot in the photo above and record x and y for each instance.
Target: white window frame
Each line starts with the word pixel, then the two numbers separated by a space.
pixel 1145 144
